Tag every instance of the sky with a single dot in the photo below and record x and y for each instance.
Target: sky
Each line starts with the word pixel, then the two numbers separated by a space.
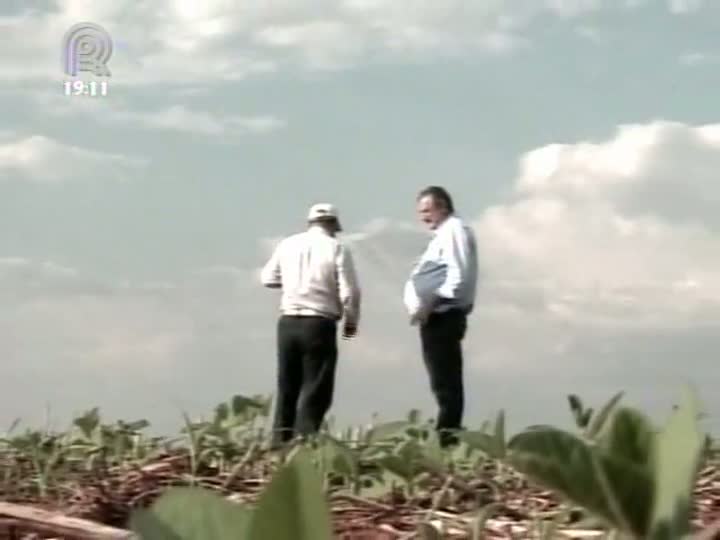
pixel 580 138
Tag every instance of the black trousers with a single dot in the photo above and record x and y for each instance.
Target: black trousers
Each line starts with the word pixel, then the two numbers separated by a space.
pixel 307 357
pixel 441 339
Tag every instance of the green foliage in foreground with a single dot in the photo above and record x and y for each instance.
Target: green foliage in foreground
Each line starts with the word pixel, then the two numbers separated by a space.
pixel 637 479
pixel 633 477
pixel 292 506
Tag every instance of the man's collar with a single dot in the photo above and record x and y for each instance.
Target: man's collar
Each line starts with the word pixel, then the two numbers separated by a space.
pixel 315 229
pixel 443 224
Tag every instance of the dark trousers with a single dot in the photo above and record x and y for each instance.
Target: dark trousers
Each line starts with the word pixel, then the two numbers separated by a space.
pixel 307 356
pixel 441 339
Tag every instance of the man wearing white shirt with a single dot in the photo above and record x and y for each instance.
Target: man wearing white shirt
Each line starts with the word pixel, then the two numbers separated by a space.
pixel 439 295
pixel 319 288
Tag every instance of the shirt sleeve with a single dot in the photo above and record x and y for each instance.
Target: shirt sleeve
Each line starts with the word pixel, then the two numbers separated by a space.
pixel 457 248
pixel 348 285
pixel 271 276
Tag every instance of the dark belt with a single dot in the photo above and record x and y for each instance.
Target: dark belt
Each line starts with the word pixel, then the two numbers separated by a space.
pixel 455 310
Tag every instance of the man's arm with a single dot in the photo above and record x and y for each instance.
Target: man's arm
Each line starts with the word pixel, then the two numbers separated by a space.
pixel 348 288
pixel 457 251
pixel 271 276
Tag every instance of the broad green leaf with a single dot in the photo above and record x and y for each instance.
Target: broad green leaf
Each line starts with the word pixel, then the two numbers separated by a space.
pixel 389 430
pixel 237 411
pixel 679 448
pixel 342 459
pixel 484 442
pixel 241 404
pixel 398 466
pixel 137 425
pixel 616 490
pixel 147 526
pixel 410 450
pixel 293 506
pixel 462 453
pixel 602 417
pixel 191 514
pixel 433 455
pixel 88 422
pixel 628 435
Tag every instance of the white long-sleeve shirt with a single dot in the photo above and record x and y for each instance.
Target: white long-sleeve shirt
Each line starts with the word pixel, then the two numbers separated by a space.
pixel 317 275
pixel 447 269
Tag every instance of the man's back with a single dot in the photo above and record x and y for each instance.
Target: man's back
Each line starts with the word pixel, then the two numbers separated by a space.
pixel 317 276
pixel 319 287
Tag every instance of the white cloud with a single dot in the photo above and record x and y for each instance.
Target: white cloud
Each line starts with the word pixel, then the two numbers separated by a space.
pixel 321 44
pixel 603 242
pixel 181 41
pixel 602 267
pixel 49 310
pixel 625 221
pixel 663 169
pixel 38 158
pixel 694 59
pixel 685 6
pixel 125 334
pixel 590 33
pixel 176 117
pixel 572 8
pixel 93 323
pixel 618 238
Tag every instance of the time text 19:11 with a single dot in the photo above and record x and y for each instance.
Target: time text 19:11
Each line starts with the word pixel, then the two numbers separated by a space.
pixel 82 88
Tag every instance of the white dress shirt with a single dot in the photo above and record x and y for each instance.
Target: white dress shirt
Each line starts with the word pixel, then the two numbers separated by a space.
pixel 448 269
pixel 317 276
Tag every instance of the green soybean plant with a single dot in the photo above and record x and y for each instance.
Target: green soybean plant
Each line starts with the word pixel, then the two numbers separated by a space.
pixel 636 479
pixel 586 419
pixel 292 507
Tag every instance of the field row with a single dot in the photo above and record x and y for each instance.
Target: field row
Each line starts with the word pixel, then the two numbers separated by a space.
pixel 615 474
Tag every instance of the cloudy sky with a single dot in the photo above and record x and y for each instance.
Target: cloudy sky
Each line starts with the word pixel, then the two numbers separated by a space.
pixel 580 137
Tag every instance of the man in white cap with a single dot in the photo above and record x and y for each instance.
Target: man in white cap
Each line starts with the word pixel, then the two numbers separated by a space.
pixel 319 288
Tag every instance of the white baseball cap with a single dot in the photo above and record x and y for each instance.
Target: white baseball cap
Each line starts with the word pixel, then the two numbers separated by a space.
pixel 322 211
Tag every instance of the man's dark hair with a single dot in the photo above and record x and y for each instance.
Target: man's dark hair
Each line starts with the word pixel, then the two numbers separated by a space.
pixel 330 222
pixel 438 194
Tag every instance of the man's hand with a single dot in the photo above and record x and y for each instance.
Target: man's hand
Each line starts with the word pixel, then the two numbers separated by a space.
pixel 421 315
pixel 349 331
pixel 424 311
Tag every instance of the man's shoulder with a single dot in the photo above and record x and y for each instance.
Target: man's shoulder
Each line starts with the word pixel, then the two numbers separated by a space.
pixel 338 246
pixel 456 225
pixel 288 242
pixel 458 221
pixel 311 238
pixel 295 238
